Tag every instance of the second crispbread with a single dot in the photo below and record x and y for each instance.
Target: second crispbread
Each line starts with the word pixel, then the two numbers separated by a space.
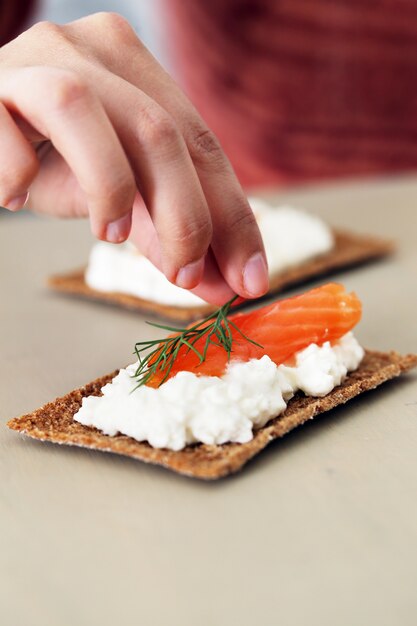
pixel 350 249
pixel 54 422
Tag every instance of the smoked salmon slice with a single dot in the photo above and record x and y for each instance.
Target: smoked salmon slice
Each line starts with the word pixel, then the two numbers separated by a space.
pixel 281 329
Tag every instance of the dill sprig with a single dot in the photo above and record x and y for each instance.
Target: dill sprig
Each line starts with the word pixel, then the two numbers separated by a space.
pixel 216 328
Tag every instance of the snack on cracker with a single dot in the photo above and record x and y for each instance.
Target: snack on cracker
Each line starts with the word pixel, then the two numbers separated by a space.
pixel 299 247
pixel 224 395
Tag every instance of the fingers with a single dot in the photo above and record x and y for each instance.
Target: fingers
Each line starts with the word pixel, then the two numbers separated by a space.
pixel 19 164
pixel 167 181
pixel 59 105
pixel 236 240
pixel 155 147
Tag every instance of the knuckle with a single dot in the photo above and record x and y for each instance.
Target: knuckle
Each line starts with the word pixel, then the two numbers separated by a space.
pixel 158 127
pixel 64 88
pixel 242 221
pixel 193 236
pixel 118 191
pixel 113 25
pixel 46 30
pixel 204 145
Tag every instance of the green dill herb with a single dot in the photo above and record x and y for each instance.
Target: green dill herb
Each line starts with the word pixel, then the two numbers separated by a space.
pixel 157 356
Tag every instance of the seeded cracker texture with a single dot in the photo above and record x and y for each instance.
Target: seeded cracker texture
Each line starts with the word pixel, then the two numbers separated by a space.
pixel 350 249
pixel 54 422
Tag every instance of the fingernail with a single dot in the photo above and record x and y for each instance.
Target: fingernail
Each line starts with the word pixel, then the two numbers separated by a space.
pixel 255 276
pixel 15 204
pixel 119 230
pixel 190 275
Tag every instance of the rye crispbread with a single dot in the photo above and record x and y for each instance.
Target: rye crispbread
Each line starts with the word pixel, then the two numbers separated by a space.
pixel 54 422
pixel 350 249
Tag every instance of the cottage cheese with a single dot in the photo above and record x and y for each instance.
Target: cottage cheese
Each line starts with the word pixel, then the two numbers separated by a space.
pixel 214 410
pixel 291 236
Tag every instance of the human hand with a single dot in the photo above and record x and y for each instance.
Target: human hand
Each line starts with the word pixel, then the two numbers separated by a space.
pixel 92 125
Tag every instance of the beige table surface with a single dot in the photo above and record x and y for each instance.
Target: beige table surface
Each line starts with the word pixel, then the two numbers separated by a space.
pixel 321 529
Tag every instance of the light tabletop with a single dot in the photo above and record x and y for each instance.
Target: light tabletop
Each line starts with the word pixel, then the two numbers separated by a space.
pixel 320 529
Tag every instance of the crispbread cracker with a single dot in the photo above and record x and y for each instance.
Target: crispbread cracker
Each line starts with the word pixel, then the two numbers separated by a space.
pixel 54 422
pixel 350 249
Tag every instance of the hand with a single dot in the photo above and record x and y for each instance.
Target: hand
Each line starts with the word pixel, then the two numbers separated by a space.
pixel 92 125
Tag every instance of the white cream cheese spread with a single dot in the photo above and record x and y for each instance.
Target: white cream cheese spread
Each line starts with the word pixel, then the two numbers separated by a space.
pixel 188 409
pixel 291 236
pixel 122 269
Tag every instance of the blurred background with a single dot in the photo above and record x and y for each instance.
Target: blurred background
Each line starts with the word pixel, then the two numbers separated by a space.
pixel 296 90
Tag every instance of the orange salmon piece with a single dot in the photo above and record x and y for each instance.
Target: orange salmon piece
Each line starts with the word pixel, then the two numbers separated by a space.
pixel 282 329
